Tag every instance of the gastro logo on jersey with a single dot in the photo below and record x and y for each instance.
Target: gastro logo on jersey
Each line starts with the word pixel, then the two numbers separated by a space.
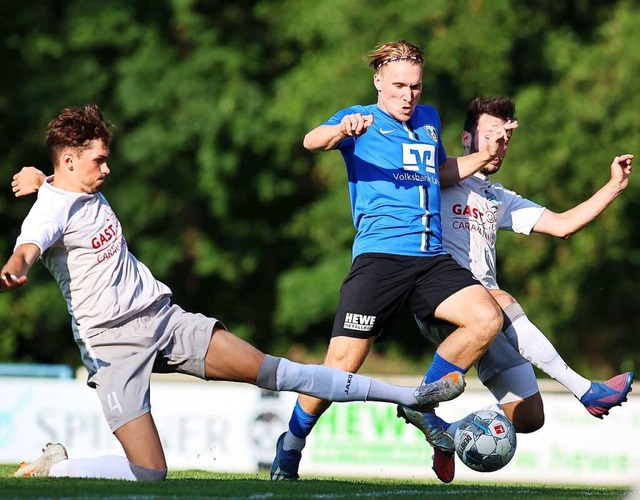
pixel 472 213
pixel 104 237
pixel 431 131
pixel 473 219
pixel 360 322
pixel 109 241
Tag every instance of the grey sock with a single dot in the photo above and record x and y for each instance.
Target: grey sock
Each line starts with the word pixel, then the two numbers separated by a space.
pixel 380 391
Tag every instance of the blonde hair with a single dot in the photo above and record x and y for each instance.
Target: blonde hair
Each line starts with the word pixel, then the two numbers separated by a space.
pixel 394 51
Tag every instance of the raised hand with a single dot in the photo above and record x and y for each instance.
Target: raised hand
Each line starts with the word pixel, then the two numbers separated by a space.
pixel 355 124
pixel 498 138
pixel 621 169
pixel 27 181
pixel 10 281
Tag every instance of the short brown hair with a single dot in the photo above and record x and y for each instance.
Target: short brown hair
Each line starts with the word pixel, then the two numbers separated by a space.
pixel 394 51
pixel 75 127
pixel 499 107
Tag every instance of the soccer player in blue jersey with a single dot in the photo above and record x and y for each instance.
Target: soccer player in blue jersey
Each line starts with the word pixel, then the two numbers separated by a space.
pixel 396 164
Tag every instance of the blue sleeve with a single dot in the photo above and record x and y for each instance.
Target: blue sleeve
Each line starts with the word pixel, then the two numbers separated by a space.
pixel 348 142
pixel 337 118
pixel 442 154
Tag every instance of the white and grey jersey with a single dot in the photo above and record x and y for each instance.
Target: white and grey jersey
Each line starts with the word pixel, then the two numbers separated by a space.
pixel 472 212
pixel 82 245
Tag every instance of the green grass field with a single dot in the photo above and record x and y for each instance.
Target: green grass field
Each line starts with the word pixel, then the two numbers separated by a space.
pixel 198 484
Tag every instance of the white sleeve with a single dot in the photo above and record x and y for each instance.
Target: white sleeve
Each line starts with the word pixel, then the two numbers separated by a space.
pixel 43 225
pixel 520 214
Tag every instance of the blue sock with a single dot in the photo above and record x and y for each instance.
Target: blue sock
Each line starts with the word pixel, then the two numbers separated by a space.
pixel 439 368
pixel 301 422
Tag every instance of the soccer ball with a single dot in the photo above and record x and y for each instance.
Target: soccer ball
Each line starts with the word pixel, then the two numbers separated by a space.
pixel 485 441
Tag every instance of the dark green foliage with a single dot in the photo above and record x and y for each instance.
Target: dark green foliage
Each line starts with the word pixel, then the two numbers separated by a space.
pixel 211 102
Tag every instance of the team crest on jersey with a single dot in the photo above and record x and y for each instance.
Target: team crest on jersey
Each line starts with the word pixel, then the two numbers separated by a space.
pixel 431 130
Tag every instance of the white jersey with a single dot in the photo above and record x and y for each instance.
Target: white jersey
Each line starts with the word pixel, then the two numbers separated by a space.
pixel 472 212
pixel 82 245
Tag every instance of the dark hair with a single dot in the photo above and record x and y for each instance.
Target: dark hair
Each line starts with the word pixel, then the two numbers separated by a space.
pixel 75 128
pixel 499 107
pixel 394 51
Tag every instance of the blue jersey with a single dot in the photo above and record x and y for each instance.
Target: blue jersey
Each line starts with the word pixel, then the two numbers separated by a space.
pixel 394 182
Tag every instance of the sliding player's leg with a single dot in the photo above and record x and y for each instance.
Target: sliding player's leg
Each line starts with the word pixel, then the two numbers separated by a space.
pixel 144 460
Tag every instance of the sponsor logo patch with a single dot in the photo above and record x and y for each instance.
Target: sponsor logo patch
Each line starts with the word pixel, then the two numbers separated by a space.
pixel 360 322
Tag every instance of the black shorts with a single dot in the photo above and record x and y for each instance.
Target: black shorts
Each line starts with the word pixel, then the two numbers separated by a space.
pixel 379 284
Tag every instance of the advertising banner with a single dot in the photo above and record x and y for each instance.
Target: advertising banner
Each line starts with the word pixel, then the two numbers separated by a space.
pixel 230 427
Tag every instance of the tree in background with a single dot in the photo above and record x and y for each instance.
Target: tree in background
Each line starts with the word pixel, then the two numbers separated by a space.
pixel 212 99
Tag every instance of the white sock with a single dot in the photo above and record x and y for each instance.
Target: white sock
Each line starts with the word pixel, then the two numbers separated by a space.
pixel 105 467
pixel 337 385
pixel 321 382
pixel 389 393
pixel 534 346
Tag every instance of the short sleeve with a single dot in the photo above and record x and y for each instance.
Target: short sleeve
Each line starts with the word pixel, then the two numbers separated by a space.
pixel 43 225
pixel 520 214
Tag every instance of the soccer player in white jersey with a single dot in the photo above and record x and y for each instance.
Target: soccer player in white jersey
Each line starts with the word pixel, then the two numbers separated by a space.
pixel 125 324
pixel 395 164
pixel 472 212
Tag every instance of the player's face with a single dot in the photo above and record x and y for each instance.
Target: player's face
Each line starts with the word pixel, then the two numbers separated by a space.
pixel 478 142
pixel 90 167
pixel 399 86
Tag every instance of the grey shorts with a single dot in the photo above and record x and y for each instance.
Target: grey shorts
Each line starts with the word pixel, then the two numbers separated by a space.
pixel 500 356
pixel 162 339
pixel 513 384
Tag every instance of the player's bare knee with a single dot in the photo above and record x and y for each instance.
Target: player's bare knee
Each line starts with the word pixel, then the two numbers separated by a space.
pixel 347 353
pixel 488 323
pixel 526 424
pixel 528 416
pixel 492 320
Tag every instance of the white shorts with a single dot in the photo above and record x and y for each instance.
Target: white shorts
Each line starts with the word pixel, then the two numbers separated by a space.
pixel 162 339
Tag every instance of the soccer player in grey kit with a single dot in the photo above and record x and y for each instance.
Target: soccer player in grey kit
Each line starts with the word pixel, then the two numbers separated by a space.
pixel 473 210
pixel 125 324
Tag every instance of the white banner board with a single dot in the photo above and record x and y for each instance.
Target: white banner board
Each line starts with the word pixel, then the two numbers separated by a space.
pixel 233 428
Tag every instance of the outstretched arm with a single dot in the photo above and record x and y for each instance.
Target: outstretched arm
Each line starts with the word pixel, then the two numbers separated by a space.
pixel 14 272
pixel 566 224
pixel 454 169
pixel 27 181
pixel 327 137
